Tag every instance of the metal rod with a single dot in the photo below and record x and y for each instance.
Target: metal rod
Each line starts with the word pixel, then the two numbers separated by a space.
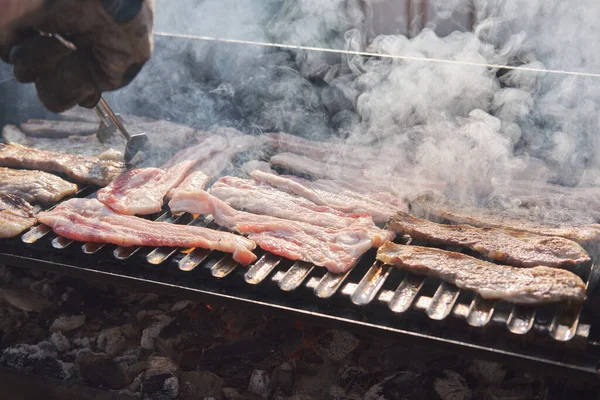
pixel 113 118
pixel 370 54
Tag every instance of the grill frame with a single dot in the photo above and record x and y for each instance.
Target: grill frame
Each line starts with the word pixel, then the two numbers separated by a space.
pixel 577 357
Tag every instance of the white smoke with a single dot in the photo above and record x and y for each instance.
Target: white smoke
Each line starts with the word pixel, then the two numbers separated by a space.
pixel 475 127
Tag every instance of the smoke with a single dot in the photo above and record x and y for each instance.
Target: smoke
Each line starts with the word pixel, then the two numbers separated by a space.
pixel 475 127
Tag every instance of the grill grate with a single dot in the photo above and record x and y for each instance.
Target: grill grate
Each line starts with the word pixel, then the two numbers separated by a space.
pixel 371 297
pixel 368 283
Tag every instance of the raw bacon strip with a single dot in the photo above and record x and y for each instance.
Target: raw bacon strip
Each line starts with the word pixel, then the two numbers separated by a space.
pixel 371 177
pixel 335 249
pixel 88 220
pixel 142 191
pixel 16 215
pixel 213 165
pixel 536 285
pixel 35 186
pixel 91 170
pixel 346 201
pixel 248 195
pixel 195 180
pixel 207 145
pixel 520 249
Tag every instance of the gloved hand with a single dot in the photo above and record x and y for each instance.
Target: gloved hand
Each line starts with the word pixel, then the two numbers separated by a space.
pixel 112 38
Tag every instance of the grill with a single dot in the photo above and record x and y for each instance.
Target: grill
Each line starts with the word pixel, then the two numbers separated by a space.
pixel 371 297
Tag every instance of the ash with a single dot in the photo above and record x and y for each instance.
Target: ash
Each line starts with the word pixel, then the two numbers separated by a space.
pixel 146 346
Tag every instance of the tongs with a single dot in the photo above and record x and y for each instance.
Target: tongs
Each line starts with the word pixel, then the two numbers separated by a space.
pixel 111 122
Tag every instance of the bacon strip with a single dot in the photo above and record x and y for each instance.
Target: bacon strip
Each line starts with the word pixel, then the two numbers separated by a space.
pixel 536 285
pixel 92 170
pixel 142 191
pixel 16 215
pixel 88 220
pixel 248 195
pixel 335 249
pixel 520 249
pixel 344 200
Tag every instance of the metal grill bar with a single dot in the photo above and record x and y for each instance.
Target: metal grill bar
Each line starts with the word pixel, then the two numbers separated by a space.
pixel 564 325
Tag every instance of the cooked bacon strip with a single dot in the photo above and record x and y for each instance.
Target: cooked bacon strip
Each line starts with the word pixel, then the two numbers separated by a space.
pixel 88 220
pixel 520 249
pixel 248 195
pixel 571 227
pixel 83 169
pixel 345 200
pixel 537 285
pixel 35 186
pixel 336 249
pixel 16 215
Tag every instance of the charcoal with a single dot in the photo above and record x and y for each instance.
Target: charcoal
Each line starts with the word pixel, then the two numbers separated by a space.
pixel 260 383
pixel 37 359
pixel 111 341
pixel 59 341
pixel 351 374
pixel 152 332
pixel 162 387
pixel 283 378
pixel 200 384
pixel 312 357
pixel 23 300
pixel 337 345
pixel 181 305
pixel 161 366
pixel 452 387
pixel 402 385
pixel 234 394
pixel 517 393
pixel 486 372
pixel 306 369
pixel 101 370
pixel 23 332
pixel 68 323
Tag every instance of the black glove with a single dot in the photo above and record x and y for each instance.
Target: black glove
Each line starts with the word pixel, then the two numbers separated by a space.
pixel 112 38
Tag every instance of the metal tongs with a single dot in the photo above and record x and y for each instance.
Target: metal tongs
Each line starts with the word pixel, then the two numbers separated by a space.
pixel 110 123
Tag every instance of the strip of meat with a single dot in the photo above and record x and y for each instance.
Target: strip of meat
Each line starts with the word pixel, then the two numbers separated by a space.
pixel 536 285
pixel 248 195
pixel 373 175
pixel 142 191
pixel 520 249
pixel 35 186
pixel 88 220
pixel 335 249
pixel 74 144
pixel 92 170
pixel 16 215
pixel 195 180
pixel 324 151
pixel 519 219
pixel 213 165
pixel 58 129
pixel 346 201
pixel 308 166
pixel 252 165
pixel 207 145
